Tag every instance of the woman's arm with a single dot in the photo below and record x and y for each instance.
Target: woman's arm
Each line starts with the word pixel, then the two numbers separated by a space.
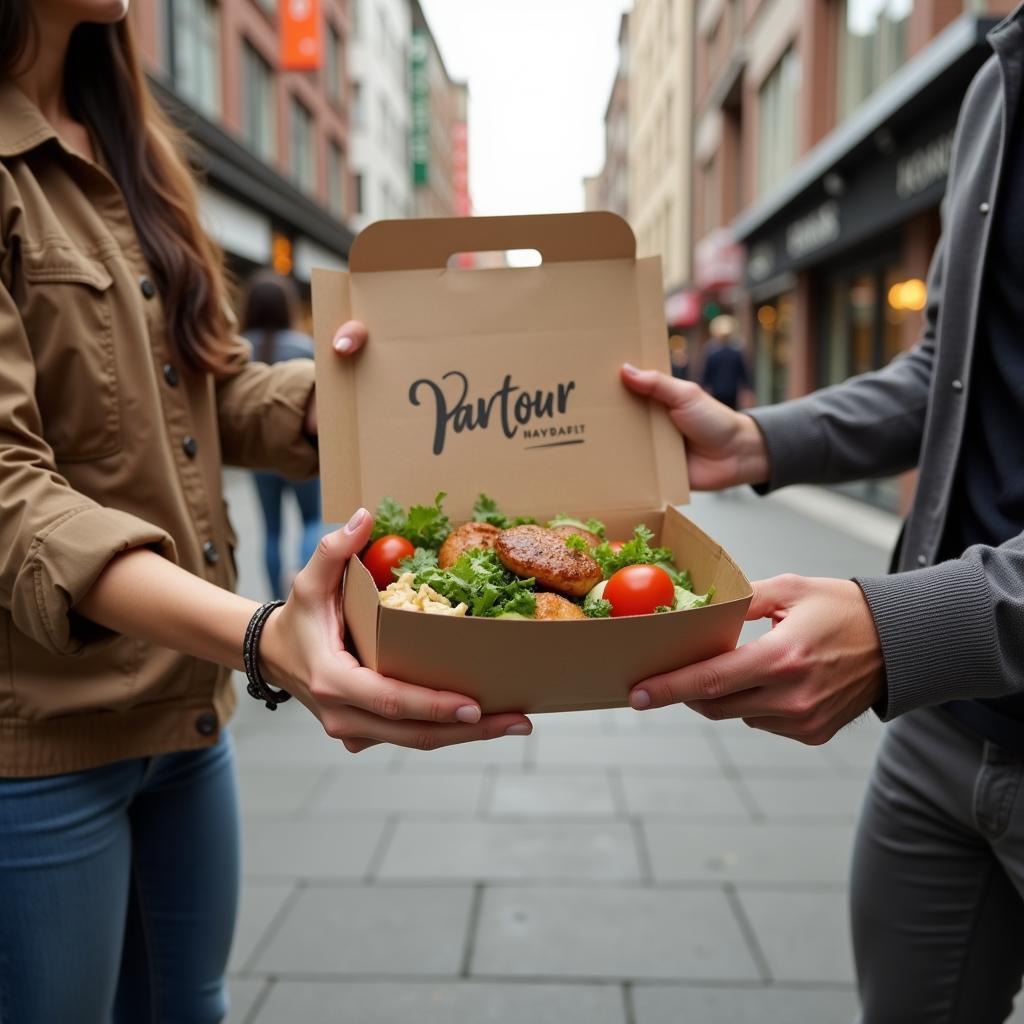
pixel 302 649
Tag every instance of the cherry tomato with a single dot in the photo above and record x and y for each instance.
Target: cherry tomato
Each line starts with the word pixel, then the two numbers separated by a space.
pixel 638 590
pixel 383 555
pixel 616 545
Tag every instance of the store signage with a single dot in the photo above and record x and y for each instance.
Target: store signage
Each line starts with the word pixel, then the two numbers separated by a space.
pixel 420 84
pixel 814 231
pixel 300 35
pixel 717 261
pixel 683 308
pixel 924 166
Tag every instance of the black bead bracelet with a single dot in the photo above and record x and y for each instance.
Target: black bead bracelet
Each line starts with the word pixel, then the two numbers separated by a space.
pixel 258 687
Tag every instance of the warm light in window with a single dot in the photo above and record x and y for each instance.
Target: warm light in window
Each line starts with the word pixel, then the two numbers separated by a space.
pixel 912 295
pixel 281 254
pixel 767 317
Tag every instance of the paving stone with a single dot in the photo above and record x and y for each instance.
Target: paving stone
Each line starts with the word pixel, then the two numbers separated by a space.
pixel 259 904
pixel 760 751
pixel 816 799
pixel 312 747
pixel 676 719
pixel 681 851
pixel 683 793
pixel 371 930
pixel 243 994
pixel 280 791
pixel 399 792
pixel 611 933
pixel 668 1004
pixel 550 795
pixel 495 850
pixel 506 750
pixel 690 750
pixel 462 1002
pixel 804 935
pixel 574 723
pixel 309 849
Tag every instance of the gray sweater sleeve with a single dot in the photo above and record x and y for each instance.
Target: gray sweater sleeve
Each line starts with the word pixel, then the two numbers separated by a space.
pixel 868 426
pixel 952 631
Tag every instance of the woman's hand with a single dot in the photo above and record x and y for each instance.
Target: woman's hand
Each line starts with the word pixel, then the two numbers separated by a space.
pixel 723 448
pixel 818 668
pixel 349 338
pixel 303 651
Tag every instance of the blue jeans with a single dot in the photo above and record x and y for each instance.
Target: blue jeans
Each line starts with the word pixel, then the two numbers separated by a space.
pixel 118 891
pixel 271 489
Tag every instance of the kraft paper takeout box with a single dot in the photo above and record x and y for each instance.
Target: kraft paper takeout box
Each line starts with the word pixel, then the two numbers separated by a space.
pixel 507 381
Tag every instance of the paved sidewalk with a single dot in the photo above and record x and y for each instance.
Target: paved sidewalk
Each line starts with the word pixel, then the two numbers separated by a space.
pixel 613 868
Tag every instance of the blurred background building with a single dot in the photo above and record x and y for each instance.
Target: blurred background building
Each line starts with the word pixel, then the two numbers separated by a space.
pixel 296 162
pixel 788 159
pixel 381 109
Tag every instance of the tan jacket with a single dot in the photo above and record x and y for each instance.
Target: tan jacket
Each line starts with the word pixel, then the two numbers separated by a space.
pixel 106 443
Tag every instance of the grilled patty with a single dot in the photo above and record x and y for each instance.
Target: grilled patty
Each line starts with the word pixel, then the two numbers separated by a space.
pixel 541 553
pixel 554 606
pixel 467 537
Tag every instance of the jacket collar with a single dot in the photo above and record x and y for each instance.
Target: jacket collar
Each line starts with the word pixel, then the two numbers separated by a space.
pixel 1006 33
pixel 22 125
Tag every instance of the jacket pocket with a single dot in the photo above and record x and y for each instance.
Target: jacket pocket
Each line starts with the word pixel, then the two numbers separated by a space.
pixel 68 317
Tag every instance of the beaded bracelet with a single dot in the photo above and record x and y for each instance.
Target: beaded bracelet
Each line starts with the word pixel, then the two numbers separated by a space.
pixel 258 687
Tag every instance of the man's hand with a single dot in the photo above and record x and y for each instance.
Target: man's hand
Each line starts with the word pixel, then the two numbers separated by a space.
pixel 723 448
pixel 818 668
pixel 349 338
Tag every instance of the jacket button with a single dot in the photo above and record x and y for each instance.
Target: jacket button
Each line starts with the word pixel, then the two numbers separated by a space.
pixel 190 446
pixel 922 560
pixel 206 723
pixel 983 208
pixel 170 375
pixel 147 287
pixel 958 384
pixel 210 553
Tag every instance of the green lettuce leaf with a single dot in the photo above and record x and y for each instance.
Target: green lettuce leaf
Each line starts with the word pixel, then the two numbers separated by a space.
pixel 486 511
pixel 483 583
pixel 637 551
pixel 419 561
pixel 426 526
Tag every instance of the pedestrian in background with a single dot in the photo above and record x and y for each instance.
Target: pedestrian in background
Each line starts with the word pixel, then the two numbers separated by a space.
pixel 725 375
pixel 268 319
pixel 937 647
pixel 123 388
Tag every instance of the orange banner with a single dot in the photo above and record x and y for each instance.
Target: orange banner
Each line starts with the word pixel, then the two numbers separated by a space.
pixel 300 35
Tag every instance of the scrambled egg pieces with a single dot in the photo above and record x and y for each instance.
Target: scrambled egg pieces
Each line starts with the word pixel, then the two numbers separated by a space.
pixel 402 594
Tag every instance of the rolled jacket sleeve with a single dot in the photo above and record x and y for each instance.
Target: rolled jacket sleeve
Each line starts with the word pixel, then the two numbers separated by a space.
pixel 54 541
pixel 261 411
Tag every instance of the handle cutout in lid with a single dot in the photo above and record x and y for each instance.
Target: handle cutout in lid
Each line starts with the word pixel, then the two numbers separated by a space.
pixel 491 258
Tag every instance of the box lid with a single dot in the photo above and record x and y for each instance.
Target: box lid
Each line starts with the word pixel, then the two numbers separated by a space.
pixel 503 380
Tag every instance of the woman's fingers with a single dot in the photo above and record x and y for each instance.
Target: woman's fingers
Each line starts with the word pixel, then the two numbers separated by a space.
pixel 392 699
pixel 359 729
pixel 350 337
pixel 320 579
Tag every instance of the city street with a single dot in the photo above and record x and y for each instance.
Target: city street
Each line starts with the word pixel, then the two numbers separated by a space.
pixel 613 868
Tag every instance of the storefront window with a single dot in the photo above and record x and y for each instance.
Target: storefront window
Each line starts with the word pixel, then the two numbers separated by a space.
pixel 872 46
pixel 772 330
pixel 302 169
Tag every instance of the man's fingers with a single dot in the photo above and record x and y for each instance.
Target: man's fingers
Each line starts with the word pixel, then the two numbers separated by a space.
pixel 773 595
pixel 396 700
pixel 659 386
pixel 714 679
pixel 423 736
pixel 322 575
pixel 350 337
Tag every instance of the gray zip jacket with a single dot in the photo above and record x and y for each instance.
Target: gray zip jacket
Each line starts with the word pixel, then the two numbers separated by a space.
pixel 955 629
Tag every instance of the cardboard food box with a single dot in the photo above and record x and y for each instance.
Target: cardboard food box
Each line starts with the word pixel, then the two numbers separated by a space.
pixel 506 381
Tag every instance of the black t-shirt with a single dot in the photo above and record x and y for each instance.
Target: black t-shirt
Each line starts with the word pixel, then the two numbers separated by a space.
pixel 987 505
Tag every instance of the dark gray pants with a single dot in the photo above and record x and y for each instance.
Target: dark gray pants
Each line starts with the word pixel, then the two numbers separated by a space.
pixel 938 878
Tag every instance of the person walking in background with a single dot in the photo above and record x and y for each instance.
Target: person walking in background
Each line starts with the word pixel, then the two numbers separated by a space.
pixel 268 319
pixel 725 375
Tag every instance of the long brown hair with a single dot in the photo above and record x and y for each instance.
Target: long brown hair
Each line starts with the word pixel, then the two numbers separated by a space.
pixel 106 90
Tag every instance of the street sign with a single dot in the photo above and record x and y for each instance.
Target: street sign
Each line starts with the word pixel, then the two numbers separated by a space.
pixel 300 35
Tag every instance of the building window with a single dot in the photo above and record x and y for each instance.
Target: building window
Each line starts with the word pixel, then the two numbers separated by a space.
pixel 193 33
pixel 358 105
pixel 259 120
pixel 270 6
pixel 357 184
pixel 777 122
pixel 336 179
pixel 334 65
pixel 301 141
pixel 872 46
